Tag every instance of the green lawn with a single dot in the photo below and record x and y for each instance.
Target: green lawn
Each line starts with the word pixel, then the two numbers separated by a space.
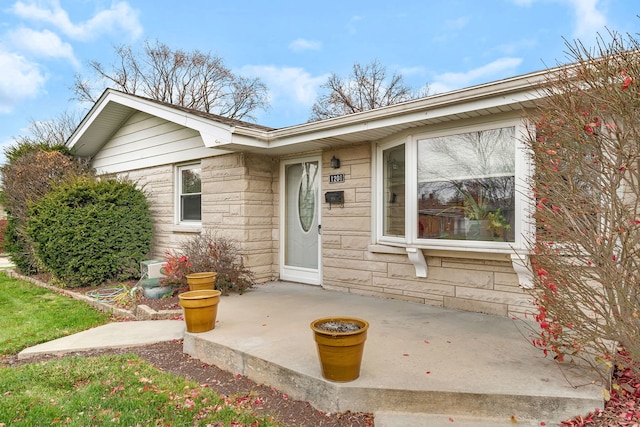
pixel 108 390
pixel 31 315
pixel 111 390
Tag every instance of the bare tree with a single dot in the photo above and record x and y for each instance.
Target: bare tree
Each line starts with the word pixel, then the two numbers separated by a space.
pixel 52 132
pixel 586 253
pixel 365 89
pixel 189 79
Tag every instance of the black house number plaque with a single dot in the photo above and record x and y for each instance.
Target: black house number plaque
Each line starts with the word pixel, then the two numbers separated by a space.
pixel 339 177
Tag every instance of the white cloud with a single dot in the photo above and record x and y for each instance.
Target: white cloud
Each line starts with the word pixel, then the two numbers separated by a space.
pixel 351 25
pixel 458 23
pixel 523 2
pixel 120 17
pixel 299 45
pixel 43 44
pixel 412 71
pixel 514 46
pixel 289 83
pixel 589 19
pixel 494 70
pixel 21 79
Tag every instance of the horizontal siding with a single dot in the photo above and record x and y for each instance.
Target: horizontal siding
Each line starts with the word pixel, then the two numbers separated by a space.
pixel 146 141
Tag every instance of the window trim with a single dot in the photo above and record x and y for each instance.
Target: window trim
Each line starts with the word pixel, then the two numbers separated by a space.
pixel 178 194
pixel 524 231
pixel 380 197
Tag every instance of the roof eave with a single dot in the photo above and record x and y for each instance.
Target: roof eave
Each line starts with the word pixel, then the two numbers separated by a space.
pixel 89 137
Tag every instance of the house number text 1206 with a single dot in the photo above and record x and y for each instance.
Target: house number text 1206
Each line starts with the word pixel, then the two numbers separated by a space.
pixel 339 177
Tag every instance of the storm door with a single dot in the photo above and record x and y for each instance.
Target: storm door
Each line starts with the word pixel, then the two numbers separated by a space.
pixel 300 220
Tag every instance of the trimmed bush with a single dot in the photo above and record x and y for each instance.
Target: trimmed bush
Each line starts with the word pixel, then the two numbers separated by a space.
pixel 3 231
pixel 88 232
pixel 15 246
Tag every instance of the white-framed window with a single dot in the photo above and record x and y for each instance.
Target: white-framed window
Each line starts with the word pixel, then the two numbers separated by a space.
pixel 188 194
pixel 458 189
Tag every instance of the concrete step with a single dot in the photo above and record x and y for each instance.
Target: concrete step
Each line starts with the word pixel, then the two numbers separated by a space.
pixel 405 419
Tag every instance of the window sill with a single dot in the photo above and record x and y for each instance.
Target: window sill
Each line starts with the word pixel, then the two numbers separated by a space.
pixel 186 228
pixel 519 259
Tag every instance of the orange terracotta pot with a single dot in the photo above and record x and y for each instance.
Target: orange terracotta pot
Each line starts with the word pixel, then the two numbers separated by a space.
pixel 200 309
pixel 340 352
pixel 202 281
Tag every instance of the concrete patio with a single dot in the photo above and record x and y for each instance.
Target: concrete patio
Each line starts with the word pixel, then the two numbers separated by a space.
pixel 422 365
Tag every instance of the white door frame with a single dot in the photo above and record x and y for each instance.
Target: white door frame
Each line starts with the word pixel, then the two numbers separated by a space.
pixel 292 273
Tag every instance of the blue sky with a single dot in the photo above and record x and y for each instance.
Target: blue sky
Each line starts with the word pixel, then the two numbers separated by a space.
pixel 292 45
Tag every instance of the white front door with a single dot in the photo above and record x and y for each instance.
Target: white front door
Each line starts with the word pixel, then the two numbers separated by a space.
pixel 300 220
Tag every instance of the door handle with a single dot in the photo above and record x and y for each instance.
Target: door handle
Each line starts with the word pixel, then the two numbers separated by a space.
pixel 319 229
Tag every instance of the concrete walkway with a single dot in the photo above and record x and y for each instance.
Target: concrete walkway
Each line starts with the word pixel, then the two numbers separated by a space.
pixel 112 335
pixel 422 365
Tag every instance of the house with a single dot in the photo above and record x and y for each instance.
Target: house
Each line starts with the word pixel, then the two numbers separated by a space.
pixel 424 201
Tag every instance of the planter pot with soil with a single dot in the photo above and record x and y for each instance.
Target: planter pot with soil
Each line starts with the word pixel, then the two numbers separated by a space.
pixel 202 281
pixel 200 309
pixel 340 342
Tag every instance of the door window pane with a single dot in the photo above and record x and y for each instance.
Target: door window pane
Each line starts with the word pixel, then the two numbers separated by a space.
pixel 307 195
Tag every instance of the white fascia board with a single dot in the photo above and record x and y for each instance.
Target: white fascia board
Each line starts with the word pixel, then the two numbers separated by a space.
pixel 247 140
pixel 501 92
pixel 86 122
pixel 382 121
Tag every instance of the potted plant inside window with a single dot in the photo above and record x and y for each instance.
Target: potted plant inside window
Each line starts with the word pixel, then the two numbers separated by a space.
pixel 482 221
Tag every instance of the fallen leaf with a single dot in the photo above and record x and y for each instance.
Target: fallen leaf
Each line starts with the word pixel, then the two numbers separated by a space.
pixel 404 354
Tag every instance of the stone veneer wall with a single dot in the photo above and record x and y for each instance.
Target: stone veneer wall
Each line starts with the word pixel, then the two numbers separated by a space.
pixel 237 201
pixel 477 282
pixel 240 199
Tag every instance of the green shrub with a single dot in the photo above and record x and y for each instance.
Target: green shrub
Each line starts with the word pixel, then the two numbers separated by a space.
pixel 3 231
pixel 87 232
pixel 19 255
